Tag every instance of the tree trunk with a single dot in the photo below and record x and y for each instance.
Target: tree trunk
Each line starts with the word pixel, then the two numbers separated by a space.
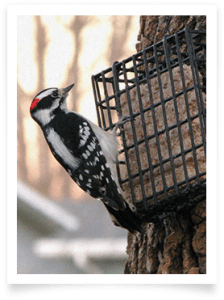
pixel 176 244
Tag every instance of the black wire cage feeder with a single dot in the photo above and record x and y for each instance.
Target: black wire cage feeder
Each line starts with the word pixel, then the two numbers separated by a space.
pixel 162 91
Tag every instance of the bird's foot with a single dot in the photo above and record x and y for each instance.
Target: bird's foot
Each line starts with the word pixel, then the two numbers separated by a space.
pixel 122 121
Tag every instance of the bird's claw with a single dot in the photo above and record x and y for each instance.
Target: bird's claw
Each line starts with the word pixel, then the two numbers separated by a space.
pixel 122 121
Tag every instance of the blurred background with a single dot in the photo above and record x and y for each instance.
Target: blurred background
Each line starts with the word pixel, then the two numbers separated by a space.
pixel 61 229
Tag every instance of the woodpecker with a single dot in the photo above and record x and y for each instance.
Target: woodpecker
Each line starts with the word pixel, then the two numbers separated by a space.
pixel 87 152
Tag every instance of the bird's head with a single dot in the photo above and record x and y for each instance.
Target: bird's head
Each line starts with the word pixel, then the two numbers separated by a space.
pixel 46 104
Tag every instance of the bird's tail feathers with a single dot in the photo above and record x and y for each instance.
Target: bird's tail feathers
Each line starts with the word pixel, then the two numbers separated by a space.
pixel 125 218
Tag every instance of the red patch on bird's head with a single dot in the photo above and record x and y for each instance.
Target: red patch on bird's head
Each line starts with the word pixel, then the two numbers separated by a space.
pixel 34 103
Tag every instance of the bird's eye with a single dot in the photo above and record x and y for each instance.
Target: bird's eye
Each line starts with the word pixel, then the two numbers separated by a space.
pixel 54 94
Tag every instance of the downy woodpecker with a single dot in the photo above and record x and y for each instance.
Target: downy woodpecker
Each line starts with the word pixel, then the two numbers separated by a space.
pixel 87 152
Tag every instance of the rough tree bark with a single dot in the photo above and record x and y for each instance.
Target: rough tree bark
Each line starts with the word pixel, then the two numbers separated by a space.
pixel 176 245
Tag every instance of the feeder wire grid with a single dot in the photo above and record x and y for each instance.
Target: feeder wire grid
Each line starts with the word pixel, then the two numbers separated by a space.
pixel 162 90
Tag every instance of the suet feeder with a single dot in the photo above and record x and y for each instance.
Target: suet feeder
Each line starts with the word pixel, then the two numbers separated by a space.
pixel 162 89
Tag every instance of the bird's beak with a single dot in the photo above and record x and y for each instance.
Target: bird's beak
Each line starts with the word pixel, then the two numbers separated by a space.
pixel 67 89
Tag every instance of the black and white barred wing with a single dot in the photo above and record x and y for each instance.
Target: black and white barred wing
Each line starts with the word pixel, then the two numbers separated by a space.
pixel 94 174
